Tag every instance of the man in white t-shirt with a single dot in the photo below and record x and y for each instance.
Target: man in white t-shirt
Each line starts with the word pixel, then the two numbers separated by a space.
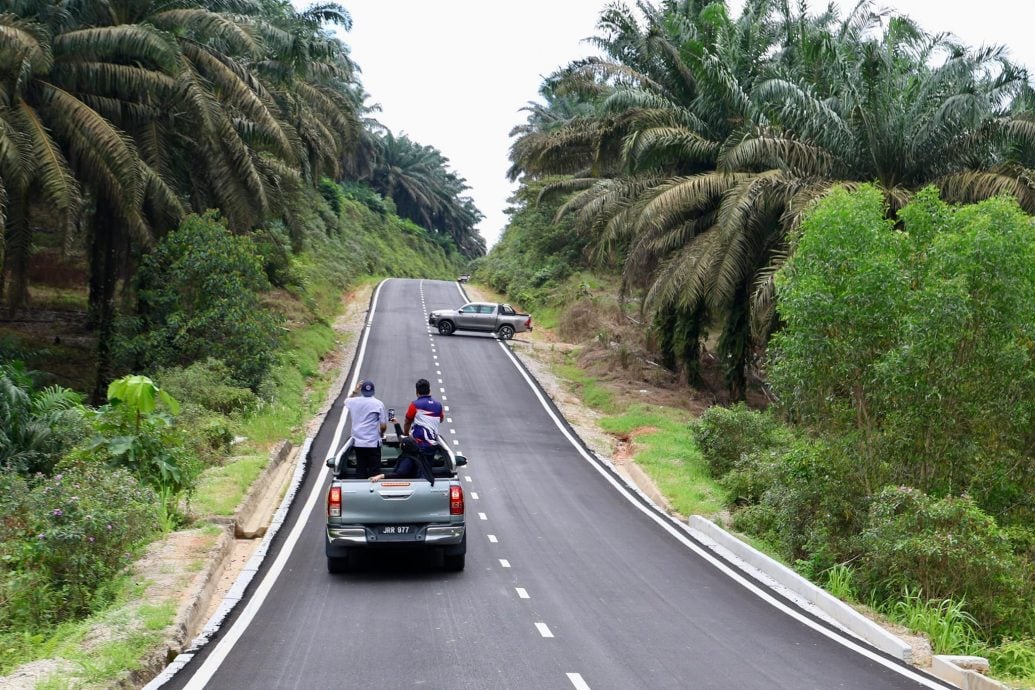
pixel 369 421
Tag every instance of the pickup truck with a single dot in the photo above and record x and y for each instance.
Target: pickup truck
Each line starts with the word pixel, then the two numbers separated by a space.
pixel 394 513
pixel 500 319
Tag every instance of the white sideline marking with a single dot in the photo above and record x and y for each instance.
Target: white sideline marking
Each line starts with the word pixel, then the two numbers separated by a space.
pixel 677 531
pixel 223 648
pixel 522 594
pixel 504 563
pixel 543 630
pixel 576 680
pixel 493 539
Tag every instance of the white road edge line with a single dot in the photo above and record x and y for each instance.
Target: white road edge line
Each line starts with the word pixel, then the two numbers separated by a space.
pixel 223 647
pixel 676 532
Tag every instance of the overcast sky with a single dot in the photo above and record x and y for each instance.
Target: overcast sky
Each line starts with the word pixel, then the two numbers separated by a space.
pixel 454 74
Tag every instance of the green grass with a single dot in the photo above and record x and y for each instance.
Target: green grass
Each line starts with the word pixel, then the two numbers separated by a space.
pixel 669 456
pixel 592 393
pixel 222 488
pixel 950 628
pixel 666 451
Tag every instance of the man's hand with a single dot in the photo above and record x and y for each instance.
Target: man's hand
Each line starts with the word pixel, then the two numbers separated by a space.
pixel 377 477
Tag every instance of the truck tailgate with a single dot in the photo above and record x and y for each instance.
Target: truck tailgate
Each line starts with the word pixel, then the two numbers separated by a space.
pixel 394 501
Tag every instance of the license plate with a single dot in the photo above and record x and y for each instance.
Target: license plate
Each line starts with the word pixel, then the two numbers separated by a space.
pixel 397 532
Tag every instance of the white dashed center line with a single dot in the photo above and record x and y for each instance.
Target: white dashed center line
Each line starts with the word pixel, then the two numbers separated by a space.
pixel 482 516
pixel 493 539
pixel 504 563
pixel 543 630
pixel 474 495
pixel 522 594
pixel 576 680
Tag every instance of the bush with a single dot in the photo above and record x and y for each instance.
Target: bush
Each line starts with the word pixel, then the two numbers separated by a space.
pixel 63 538
pixel 950 549
pixel 208 384
pixel 199 298
pixel 725 434
pixel 819 503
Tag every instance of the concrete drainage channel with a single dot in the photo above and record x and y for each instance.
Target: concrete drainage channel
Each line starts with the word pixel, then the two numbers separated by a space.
pixel 197 621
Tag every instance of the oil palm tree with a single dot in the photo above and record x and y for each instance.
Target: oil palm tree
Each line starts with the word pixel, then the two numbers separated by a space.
pixel 725 147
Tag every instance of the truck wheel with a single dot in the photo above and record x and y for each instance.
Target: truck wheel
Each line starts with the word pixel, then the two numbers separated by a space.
pixel 445 327
pixel 506 332
pixel 339 564
pixel 454 563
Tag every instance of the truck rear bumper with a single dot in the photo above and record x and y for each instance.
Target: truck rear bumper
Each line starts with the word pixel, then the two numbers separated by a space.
pixel 357 535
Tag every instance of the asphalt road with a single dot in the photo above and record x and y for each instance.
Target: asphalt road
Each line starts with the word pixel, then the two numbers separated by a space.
pixel 571 582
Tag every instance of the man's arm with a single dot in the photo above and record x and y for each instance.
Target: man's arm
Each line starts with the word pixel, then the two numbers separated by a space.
pixel 411 414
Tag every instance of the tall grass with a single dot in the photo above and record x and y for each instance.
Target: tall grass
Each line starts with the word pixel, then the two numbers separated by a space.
pixel 945 622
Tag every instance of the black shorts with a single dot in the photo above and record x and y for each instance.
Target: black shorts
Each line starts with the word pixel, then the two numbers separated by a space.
pixel 368 461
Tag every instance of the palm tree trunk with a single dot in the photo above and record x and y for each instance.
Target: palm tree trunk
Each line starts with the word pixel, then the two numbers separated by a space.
pixel 19 246
pixel 103 279
pixel 733 346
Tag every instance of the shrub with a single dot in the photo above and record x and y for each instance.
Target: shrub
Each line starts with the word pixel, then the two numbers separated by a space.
pixel 36 426
pixel 64 537
pixel 819 503
pixel 131 432
pixel 1013 659
pixel 725 434
pixel 950 549
pixel 209 384
pixel 198 298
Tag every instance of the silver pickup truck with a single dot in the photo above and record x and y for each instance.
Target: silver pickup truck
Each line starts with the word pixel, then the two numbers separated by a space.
pixel 395 513
pixel 500 319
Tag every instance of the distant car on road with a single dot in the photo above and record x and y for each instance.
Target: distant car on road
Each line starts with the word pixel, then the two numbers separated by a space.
pixel 463 279
pixel 500 319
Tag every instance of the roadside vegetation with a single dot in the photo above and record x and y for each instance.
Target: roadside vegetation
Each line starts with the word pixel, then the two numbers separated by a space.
pixel 186 193
pixel 801 235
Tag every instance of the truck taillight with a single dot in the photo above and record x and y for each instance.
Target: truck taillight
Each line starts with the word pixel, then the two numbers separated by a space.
pixel 334 502
pixel 456 500
pixel 528 324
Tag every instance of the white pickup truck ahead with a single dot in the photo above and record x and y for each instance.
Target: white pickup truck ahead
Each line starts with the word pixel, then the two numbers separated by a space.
pixel 488 317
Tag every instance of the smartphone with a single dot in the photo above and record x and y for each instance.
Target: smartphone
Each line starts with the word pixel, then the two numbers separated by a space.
pixel 391 413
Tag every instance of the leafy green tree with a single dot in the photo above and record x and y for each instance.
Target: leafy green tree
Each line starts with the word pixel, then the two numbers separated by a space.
pixel 916 343
pixel 200 296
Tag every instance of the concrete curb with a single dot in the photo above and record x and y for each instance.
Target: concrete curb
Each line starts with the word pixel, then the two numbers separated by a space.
pixel 833 608
pixel 965 672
